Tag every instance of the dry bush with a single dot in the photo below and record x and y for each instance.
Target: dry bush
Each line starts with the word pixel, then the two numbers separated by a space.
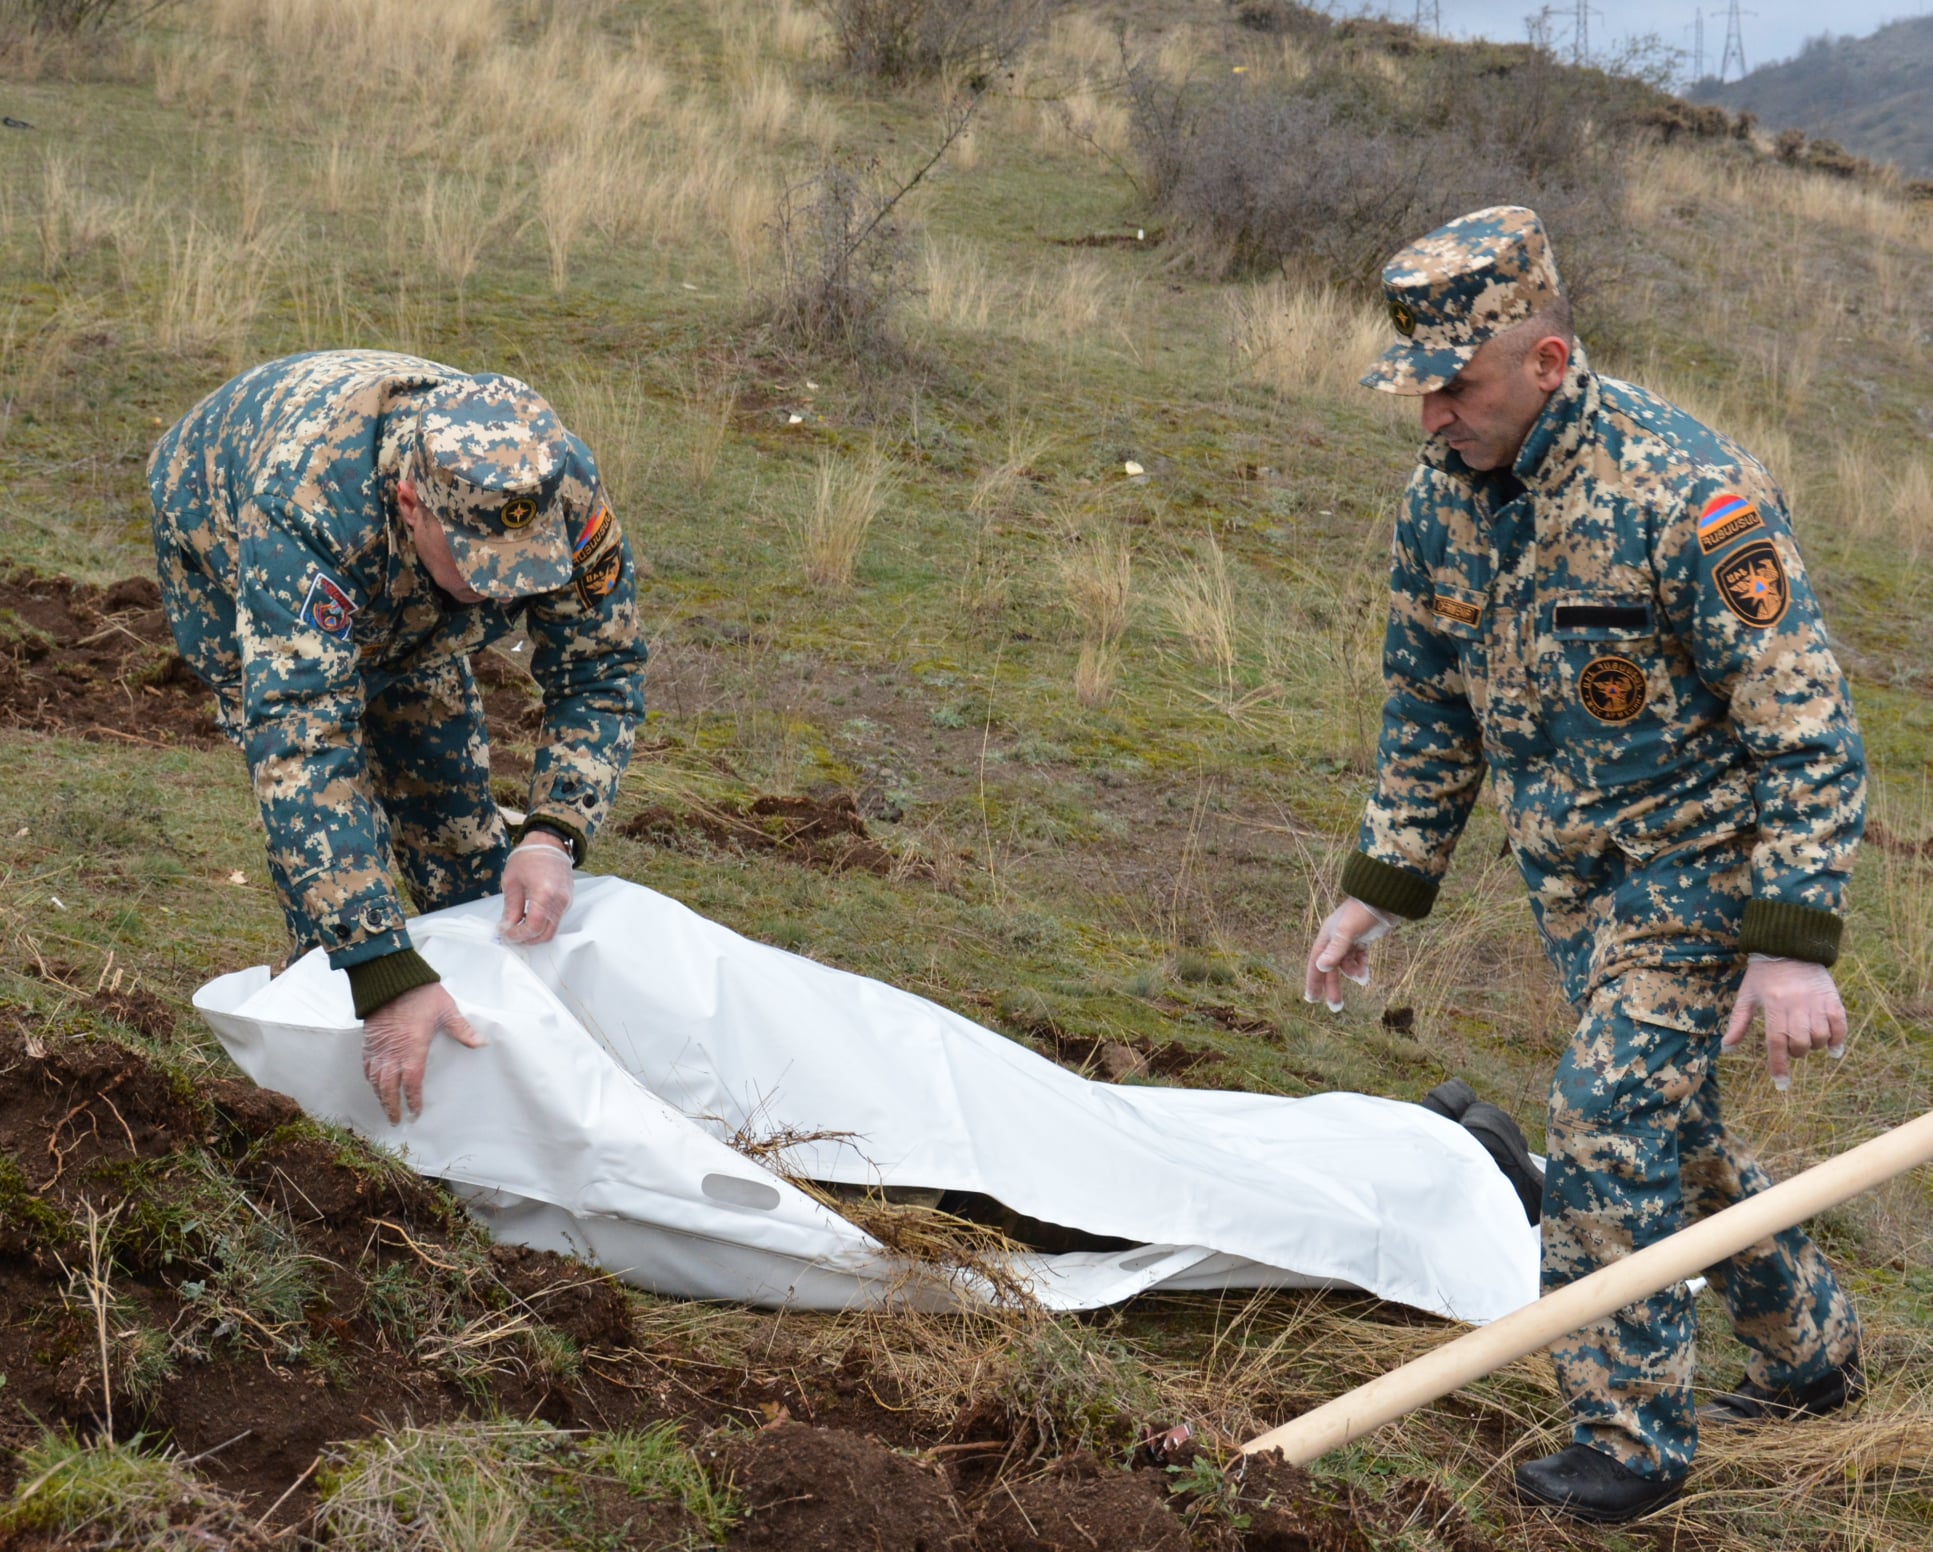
pixel 1332 174
pixel 1305 339
pixel 842 263
pixel 1097 576
pixel 841 503
pixel 906 40
pixel 458 224
pixel 612 416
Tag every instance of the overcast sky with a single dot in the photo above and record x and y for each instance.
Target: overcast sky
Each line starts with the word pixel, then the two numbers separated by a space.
pixel 1775 33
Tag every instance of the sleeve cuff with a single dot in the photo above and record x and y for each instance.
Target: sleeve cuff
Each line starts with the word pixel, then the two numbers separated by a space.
pixel 1793 931
pixel 377 981
pixel 1387 887
pixel 580 843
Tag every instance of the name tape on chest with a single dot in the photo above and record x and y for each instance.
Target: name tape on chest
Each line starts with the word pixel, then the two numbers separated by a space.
pixel 1460 610
pixel 1753 585
pixel 327 607
pixel 1727 518
pixel 597 559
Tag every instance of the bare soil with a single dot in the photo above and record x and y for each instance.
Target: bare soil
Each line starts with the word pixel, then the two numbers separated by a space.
pixel 97 662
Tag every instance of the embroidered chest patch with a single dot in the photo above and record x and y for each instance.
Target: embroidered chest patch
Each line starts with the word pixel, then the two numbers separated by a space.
pixel 1612 689
pixel 1753 584
pixel 1727 517
pixel 328 608
pixel 1461 610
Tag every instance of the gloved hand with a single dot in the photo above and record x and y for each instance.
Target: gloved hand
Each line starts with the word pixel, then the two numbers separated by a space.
pixel 1802 1012
pixel 396 1044
pixel 1341 950
pixel 537 884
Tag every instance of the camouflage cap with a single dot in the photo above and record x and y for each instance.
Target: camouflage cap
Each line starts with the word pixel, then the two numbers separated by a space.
pixel 489 459
pixel 1459 286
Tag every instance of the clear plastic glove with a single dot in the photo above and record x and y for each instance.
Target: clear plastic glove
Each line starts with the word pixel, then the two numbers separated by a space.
pixel 1341 950
pixel 396 1044
pixel 1802 1012
pixel 537 882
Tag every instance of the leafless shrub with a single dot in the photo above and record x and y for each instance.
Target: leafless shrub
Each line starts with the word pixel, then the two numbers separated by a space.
pixel 905 40
pixel 842 261
pixel 1336 172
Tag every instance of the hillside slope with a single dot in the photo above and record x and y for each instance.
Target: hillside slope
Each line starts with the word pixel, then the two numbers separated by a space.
pixel 1874 95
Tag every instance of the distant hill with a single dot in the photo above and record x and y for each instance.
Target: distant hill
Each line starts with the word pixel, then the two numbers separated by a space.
pixel 1873 95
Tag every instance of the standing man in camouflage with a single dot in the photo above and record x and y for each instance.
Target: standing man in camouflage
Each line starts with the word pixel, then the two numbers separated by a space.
pixel 336 533
pixel 1598 600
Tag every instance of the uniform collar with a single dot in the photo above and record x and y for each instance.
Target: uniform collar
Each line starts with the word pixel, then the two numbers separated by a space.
pixel 1551 449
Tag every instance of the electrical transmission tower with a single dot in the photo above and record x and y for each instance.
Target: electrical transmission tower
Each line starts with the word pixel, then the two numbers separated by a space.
pixel 1734 43
pixel 1698 45
pixel 1429 15
pixel 1581 34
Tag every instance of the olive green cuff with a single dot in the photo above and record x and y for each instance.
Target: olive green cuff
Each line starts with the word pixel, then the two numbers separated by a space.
pixel 1792 931
pixel 1386 887
pixel 580 843
pixel 377 981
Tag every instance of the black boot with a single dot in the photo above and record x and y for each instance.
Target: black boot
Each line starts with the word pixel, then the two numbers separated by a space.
pixel 1748 1402
pixel 1503 1140
pixel 1588 1485
pixel 1449 1099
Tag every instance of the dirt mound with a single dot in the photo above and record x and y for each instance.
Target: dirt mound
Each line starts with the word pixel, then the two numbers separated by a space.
pixel 827 833
pixel 1078 1505
pixel 96 662
pixel 826 1490
pixel 275 1287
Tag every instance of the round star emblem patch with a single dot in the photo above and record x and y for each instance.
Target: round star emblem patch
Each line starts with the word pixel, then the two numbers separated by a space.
pixel 1402 317
pixel 518 511
pixel 1612 689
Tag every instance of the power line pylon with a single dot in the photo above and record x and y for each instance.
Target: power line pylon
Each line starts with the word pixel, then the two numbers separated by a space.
pixel 1698 45
pixel 1734 43
pixel 1429 16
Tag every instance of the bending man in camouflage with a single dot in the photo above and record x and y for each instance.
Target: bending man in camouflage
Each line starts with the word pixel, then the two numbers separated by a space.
pixel 336 533
pixel 1598 600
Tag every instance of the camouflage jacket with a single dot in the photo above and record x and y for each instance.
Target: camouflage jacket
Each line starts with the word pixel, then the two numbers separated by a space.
pixel 1620 629
pixel 282 484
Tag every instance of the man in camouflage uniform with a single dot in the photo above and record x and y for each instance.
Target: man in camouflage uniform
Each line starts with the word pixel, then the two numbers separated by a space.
pixel 336 533
pixel 1598 600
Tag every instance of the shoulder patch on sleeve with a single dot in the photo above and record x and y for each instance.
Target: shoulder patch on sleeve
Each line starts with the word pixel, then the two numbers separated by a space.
pixel 597 558
pixel 327 607
pixel 1727 517
pixel 1753 585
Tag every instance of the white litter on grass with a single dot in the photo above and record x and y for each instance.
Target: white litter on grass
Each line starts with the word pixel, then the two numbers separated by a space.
pixel 58 904
pixel 793 420
pixel 625 1056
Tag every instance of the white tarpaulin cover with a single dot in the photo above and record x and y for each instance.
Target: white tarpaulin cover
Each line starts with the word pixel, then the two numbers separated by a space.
pixel 625 1052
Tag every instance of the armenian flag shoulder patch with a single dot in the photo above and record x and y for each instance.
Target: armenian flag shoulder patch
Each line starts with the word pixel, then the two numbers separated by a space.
pixel 1727 517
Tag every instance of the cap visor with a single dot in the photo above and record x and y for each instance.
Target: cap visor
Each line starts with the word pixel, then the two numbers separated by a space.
pixel 1407 370
pixel 520 566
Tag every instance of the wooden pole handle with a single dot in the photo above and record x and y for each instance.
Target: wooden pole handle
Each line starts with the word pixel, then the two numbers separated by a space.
pixel 1556 1315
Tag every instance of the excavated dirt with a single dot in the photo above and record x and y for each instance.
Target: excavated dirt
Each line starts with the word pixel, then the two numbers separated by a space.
pixel 1076 1505
pixel 96 662
pixel 100 663
pixel 824 1490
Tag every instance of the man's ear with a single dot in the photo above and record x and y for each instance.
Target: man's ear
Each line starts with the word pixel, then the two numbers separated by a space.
pixel 1549 358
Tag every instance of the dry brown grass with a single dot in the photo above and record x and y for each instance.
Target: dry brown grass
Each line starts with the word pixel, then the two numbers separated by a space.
pixel 958 290
pixel 1310 340
pixel 1199 599
pixel 1097 579
pixel 1075 302
pixel 841 503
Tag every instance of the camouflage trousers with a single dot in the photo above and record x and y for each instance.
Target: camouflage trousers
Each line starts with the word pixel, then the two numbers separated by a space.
pixel 425 747
pixel 1637 1150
